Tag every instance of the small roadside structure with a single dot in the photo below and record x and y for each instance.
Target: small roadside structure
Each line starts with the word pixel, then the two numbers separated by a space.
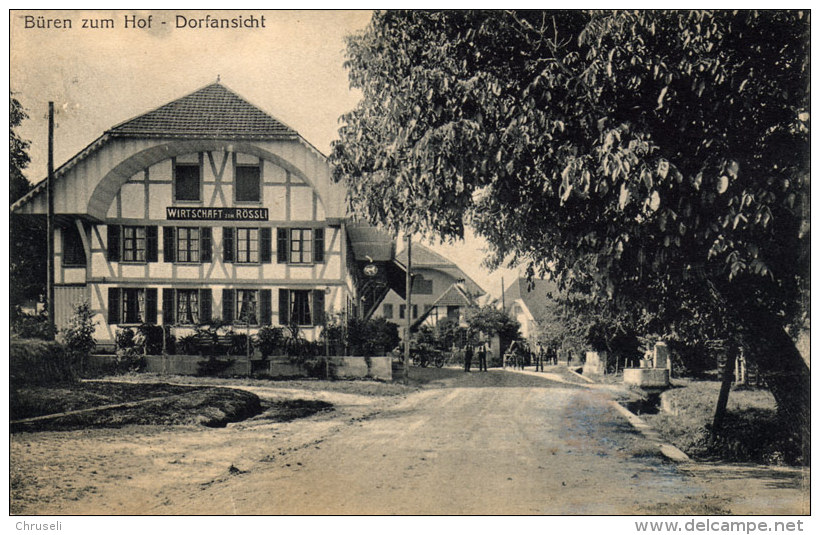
pixel 653 374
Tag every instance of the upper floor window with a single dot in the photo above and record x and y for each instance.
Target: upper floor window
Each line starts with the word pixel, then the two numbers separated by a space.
pixel 387 311
pixel 73 250
pixel 133 244
pixel 187 182
pixel 188 244
pixel 422 286
pixel 247 245
pixel 300 245
pixel 247 183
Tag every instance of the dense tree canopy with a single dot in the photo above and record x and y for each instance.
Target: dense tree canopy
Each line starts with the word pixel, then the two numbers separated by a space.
pixel 18 152
pixel 643 156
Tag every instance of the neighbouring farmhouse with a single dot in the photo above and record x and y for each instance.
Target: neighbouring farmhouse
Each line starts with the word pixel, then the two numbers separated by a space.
pixel 207 208
pixel 440 289
pixel 529 302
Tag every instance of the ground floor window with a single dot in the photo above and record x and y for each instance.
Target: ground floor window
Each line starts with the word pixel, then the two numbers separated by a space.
pixel 188 307
pixel 301 307
pixel 403 308
pixel 246 306
pixel 132 305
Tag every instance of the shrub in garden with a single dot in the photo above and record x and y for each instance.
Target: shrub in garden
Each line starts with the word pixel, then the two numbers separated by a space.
pixel 130 346
pixel 269 341
pixel 238 343
pixel 78 337
pixel 152 337
pixel 38 362
pixel 31 325
pixel 213 366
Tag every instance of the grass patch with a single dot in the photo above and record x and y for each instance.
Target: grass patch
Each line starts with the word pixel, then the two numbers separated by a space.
pixel 752 431
pixel 165 405
pixel 360 387
pixel 291 409
pixel 31 401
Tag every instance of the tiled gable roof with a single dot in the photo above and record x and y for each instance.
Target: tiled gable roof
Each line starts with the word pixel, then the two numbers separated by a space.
pixel 212 111
pixel 426 258
pixel 536 298
pixel 453 296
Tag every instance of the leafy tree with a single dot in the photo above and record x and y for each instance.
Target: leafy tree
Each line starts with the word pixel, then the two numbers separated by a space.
pixel 27 243
pixel 18 151
pixel 632 155
pixel 491 321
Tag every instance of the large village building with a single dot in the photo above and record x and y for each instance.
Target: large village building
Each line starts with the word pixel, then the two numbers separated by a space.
pixel 207 209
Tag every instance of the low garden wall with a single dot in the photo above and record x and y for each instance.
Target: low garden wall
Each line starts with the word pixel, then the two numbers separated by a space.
pixel 339 367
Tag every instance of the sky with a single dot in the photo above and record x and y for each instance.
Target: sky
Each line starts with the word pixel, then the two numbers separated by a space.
pixel 99 77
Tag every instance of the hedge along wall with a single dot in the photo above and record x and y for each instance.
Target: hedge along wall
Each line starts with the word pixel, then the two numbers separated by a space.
pixel 37 362
pixel 341 367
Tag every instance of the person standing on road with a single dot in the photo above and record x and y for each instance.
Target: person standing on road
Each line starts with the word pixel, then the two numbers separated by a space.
pixel 468 358
pixel 482 358
pixel 539 358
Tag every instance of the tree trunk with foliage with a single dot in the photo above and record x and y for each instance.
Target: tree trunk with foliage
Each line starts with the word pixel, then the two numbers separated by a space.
pixel 726 380
pixel 636 157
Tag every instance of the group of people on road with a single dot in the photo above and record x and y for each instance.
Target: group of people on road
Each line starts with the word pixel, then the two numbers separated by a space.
pixel 518 355
pixel 469 352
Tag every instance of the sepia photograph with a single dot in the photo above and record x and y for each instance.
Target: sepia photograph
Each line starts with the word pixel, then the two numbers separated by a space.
pixel 542 263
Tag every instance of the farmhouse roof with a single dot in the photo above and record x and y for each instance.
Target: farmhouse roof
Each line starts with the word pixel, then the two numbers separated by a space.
pixel 429 259
pixel 211 111
pixel 535 297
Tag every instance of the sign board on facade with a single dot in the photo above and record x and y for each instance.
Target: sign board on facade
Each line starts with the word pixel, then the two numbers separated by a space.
pixel 216 214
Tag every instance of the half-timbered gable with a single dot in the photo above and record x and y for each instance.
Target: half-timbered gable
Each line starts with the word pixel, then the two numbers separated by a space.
pixel 203 209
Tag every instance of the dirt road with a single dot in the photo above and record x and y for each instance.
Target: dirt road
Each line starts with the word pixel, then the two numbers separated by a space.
pixel 492 443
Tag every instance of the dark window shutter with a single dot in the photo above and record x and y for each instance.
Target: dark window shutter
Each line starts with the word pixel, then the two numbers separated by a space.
pixel 169 245
pixel 227 244
pixel 206 254
pixel 151 305
pixel 264 245
pixel 113 305
pixel 284 303
pixel 319 245
pixel 281 245
pixel 168 306
pixel 151 243
pixel 113 243
pixel 205 305
pixel 318 307
pixel 264 307
pixel 227 305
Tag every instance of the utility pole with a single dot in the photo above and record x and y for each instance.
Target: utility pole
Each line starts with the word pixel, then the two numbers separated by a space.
pixel 504 308
pixel 408 283
pixel 50 218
